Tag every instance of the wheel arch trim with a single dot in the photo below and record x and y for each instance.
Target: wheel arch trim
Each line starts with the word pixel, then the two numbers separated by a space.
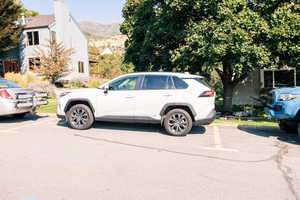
pixel 178 104
pixel 79 99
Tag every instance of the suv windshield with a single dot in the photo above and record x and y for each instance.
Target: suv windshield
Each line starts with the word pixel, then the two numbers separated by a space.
pixel 8 84
pixel 127 83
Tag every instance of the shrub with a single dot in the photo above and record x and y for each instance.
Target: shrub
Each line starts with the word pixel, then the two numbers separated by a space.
pixel 43 86
pixel 95 83
pixel 76 83
pixel 21 79
pixel 32 81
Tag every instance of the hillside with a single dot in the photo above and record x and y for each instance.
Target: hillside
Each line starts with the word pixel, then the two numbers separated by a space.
pixel 115 43
pixel 100 29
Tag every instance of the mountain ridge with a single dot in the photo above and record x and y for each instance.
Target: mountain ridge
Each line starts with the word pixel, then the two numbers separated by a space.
pixel 100 29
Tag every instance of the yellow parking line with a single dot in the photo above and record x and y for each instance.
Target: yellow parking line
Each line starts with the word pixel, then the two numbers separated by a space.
pixel 217 137
pixel 218 142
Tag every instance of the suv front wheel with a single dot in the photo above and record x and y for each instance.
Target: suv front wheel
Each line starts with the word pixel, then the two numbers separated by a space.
pixel 178 122
pixel 80 117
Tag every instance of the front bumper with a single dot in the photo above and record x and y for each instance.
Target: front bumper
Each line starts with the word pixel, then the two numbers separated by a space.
pixel 207 120
pixel 63 117
pixel 281 111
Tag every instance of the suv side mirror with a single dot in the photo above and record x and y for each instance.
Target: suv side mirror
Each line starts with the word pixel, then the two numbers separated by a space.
pixel 106 88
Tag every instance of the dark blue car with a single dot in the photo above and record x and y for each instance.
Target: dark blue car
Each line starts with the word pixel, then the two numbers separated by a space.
pixel 284 106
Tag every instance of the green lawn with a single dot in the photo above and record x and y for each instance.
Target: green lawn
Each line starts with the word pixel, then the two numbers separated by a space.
pixel 50 108
pixel 249 123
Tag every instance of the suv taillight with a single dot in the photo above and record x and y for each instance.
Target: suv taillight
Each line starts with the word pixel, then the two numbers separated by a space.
pixel 4 94
pixel 209 93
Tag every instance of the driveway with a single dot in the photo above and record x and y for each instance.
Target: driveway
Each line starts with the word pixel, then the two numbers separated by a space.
pixel 41 159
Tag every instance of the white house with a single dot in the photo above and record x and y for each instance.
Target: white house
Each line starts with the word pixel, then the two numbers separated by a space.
pixel 38 30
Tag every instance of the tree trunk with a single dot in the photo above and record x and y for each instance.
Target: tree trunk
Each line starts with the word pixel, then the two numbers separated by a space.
pixel 228 96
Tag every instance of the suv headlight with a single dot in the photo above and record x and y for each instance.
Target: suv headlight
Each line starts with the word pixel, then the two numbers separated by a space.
pixel 287 97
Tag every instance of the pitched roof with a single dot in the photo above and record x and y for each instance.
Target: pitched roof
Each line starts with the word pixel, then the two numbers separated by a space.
pixel 40 21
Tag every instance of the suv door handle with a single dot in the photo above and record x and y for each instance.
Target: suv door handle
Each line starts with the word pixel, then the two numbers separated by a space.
pixel 129 97
pixel 167 95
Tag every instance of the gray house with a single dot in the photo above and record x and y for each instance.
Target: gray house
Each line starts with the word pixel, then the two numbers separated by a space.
pixel 262 81
pixel 38 30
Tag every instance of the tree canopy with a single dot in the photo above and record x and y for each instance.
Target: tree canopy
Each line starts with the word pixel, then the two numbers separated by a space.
pixel 10 13
pixel 231 37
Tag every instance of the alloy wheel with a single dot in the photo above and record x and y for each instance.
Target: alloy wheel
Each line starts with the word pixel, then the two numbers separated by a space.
pixel 178 123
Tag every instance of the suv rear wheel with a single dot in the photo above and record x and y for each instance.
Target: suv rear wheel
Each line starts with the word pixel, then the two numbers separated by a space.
pixel 178 122
pixel 80 117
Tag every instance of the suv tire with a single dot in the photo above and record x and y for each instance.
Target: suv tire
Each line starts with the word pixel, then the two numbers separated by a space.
pixel 288 127
pixel 20 115
pixel 80 117
pixel 178 122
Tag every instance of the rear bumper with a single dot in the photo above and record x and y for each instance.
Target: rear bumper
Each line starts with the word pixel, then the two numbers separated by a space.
pixel 207 120
pixel 9 107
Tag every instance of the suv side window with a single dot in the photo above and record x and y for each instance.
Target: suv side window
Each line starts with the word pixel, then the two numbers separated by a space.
pixel 156 82
pixel 179 83
pixel 126 83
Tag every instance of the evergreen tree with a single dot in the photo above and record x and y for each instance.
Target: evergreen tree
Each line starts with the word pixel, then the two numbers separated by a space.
pixel 10 30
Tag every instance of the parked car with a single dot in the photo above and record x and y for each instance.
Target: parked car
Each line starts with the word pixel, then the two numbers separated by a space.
pixel 284 106
pixel 18 101
pixel 174 100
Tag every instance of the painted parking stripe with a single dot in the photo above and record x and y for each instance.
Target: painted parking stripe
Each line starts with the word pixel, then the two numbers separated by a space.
pixel 217 138
pixel 218 142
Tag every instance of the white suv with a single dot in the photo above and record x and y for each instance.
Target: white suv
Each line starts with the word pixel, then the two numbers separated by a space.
pixel 174 100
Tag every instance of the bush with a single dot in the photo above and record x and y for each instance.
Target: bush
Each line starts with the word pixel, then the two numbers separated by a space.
pixel 76 83
pixel 21 79
pixel 32 81
pixel 252 110
pixel 43 86
pixel 95 83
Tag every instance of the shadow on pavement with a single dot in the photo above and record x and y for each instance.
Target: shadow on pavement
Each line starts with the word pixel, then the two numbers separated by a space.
pixel 149 128
pixel 271 132
pixel 11 119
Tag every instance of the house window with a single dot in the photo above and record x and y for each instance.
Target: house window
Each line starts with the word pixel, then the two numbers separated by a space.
pixel 80 67
pixel 33 38
pixel 278 78
pixel 34 63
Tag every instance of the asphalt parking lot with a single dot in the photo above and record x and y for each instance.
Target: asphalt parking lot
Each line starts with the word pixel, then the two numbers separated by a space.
pixel 42 159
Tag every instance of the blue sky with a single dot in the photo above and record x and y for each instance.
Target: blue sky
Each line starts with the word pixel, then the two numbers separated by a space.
pixel 98 10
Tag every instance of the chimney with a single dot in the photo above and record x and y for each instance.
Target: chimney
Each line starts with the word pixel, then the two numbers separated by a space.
pixel 23 20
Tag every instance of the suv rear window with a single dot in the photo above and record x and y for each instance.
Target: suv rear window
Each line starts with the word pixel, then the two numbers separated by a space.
pixel 179 83
pixel 202 81
pixel 156 82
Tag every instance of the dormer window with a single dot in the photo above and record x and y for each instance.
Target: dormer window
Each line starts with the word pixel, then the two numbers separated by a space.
pixel 33 38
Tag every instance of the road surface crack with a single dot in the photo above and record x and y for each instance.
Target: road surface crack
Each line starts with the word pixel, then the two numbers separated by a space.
pixel 285 170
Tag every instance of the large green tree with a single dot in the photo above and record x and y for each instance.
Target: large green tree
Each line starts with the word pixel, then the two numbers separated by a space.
pixel 231 37
pixel 10 13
